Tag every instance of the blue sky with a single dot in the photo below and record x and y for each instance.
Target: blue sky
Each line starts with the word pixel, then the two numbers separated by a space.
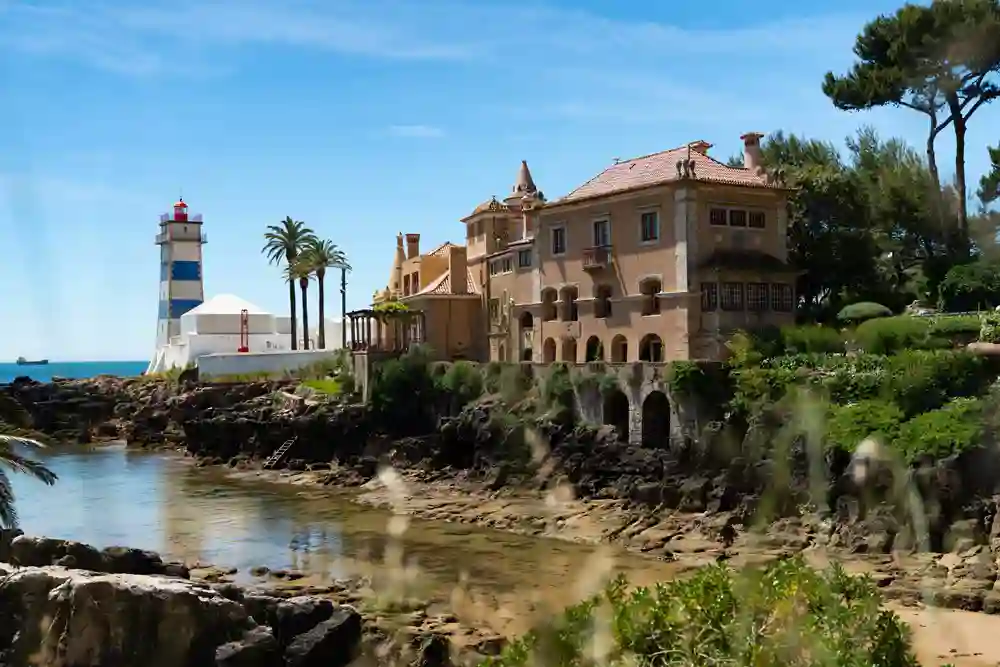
pixel 364 118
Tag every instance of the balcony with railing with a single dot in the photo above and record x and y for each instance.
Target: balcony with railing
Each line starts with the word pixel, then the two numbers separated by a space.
pixel 164 237
pixel 174 217
pixel 596 258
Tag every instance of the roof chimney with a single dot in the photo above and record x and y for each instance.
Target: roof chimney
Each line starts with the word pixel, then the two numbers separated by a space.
pixel 753 158
pixel 412 246
pixel 700 146
pixel 458 269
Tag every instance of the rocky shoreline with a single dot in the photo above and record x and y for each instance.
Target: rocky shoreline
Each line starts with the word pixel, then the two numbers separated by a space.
pixel 689 503
pixel 155 613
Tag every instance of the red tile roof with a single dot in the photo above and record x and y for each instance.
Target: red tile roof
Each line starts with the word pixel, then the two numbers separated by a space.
pixel 660 168
pixel 442 285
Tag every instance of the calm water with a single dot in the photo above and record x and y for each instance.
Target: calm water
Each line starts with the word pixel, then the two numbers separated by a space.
pixel 113 496
pixel 72 369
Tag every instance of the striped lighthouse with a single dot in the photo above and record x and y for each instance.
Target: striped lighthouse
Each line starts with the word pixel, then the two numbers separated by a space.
pixel 181 287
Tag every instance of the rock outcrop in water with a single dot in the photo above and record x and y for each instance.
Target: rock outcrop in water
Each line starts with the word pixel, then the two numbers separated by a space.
pixel 62 616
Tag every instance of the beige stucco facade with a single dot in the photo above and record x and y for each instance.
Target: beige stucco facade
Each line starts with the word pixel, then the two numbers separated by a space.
pixel 657 258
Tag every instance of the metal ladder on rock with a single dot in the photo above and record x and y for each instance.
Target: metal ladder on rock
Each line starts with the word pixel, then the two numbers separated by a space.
pixel 279 453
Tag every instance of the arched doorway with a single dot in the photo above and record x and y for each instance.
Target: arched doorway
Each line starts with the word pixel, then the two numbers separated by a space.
pixel 619 349
pixel 549 350
pixel 651 348
pixel 502 352
pixel 616 413
pixel 656 420
pixel 595 349
pixel 527 335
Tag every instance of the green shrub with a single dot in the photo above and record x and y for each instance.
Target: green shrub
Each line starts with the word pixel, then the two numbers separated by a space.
pixel 783 614
pixel 686 378
pixel 948 325
pixel 862 312
pixel 956 427
pixel 848 425
pixel 811 339
pixel 989 328
pixel 557 389
pixel 918 380
pixel 967 287
pixel 404 394
pixel 892 334
pixel 461 384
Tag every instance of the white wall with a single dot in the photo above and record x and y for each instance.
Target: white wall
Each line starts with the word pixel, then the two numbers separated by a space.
pixel 226 323
pixel 217 365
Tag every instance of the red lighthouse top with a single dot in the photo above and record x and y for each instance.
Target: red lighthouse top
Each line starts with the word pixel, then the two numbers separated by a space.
pixel 180 210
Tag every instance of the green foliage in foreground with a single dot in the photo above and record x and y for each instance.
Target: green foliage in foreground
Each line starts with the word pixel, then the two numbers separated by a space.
pixel 785 614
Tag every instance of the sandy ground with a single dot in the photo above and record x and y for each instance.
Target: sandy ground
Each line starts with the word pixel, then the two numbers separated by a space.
pixel 951 636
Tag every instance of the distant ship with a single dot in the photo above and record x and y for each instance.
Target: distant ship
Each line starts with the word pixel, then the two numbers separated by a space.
pixel 21 361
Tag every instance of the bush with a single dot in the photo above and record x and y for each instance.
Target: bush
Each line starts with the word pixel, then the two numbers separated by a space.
pixel 918 381
pixel 783 614
pixel 952 429
pixel 989 328
pixel 461 384
pixel 862 312
pixel 811 339
pixel 404 394
pixel 848 425
pixel 974 286
pixel 893 334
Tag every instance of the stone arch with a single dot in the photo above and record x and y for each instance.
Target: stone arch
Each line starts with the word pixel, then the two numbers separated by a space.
pixel 651 348
pixel 568 350
pixel 568 295
pixel 650 289
pixel 549 298
pixel 619 349
pixel 595 349
pixel 527 335
pixel 549 350
pixel 617 413
pixel 602 301
pixel 656 419
pixel 502 352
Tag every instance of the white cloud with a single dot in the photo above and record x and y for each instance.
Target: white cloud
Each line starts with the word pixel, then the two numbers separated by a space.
pixel 167 37
pixel 416 131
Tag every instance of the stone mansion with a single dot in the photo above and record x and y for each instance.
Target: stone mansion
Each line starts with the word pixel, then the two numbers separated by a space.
pixel 656 258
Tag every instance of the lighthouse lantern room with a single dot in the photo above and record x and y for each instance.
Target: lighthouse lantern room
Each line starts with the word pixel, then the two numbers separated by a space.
pixel 181 287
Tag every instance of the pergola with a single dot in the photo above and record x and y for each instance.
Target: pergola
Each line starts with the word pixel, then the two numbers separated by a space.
pixel 386 330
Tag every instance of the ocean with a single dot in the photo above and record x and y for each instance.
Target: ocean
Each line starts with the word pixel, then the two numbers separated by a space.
pixel 72 369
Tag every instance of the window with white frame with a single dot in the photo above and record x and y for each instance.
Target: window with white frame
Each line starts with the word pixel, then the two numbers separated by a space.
pixel 781 298
pixel 757 297
pixel 649 226
pixel 559 240
pixel 732 296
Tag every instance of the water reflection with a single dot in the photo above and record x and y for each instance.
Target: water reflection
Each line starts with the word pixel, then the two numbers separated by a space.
pixel 111 495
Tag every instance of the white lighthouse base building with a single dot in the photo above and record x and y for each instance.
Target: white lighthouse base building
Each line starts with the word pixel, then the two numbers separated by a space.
pixel 211 337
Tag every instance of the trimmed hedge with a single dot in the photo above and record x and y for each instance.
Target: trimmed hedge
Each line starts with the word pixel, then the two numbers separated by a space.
pixel 862 312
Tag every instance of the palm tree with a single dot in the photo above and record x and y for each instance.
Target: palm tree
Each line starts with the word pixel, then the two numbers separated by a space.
pixel 11 460
pixel 321 255
pixel 300 270
pixel 285 242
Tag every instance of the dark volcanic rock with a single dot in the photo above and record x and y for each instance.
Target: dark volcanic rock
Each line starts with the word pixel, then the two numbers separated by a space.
pixel 333 643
